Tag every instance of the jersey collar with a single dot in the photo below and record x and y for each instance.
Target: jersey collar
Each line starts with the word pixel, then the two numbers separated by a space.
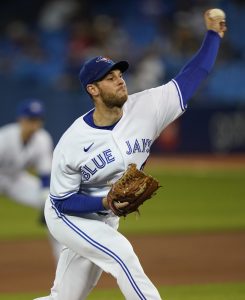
pixel 88 118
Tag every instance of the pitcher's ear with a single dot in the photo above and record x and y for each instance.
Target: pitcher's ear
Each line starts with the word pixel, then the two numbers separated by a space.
pixel 92 89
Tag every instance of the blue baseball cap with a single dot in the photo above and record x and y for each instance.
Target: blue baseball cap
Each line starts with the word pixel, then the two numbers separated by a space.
pixel 31 108
pixel 96 68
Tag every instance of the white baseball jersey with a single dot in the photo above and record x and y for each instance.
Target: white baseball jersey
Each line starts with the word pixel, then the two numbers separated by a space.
pixel 90 159
pixel 15 158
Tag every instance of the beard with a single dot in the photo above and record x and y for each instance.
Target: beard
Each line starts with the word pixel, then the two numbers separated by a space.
pixel 114 99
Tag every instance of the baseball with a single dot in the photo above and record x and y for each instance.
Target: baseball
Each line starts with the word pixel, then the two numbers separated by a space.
pixel 216 13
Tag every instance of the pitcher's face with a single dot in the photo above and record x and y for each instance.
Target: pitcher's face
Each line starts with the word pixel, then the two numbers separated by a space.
pixel 112 89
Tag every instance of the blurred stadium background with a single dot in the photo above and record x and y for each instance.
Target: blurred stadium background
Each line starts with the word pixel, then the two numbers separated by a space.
pixel 43 44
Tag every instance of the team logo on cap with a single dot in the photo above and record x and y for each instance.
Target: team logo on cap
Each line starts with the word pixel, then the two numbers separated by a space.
pixel 35 107
pixel 105 59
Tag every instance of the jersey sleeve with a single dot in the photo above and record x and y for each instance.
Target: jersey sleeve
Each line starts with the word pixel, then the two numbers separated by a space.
pixel 65 178
pixel 167 102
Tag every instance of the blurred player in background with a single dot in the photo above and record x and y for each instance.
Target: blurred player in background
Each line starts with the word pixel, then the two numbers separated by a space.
pixel 25 159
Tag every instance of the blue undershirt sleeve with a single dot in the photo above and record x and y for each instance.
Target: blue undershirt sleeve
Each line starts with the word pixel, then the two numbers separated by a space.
pixel 198 68
pixel 45 180
pixel 78 204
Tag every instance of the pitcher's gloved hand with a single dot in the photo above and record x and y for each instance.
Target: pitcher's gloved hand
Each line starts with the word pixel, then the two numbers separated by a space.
pixel 133 188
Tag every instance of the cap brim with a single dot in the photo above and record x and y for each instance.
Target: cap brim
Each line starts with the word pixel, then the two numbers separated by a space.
pixel 121 65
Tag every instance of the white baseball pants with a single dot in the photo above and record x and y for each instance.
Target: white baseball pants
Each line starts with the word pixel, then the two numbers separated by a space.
pixel 93 245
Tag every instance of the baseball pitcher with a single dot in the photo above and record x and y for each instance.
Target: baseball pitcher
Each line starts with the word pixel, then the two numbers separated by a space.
pixel 97 171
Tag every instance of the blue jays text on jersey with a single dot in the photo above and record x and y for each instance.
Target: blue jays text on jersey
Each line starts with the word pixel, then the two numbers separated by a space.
pixel 106 157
